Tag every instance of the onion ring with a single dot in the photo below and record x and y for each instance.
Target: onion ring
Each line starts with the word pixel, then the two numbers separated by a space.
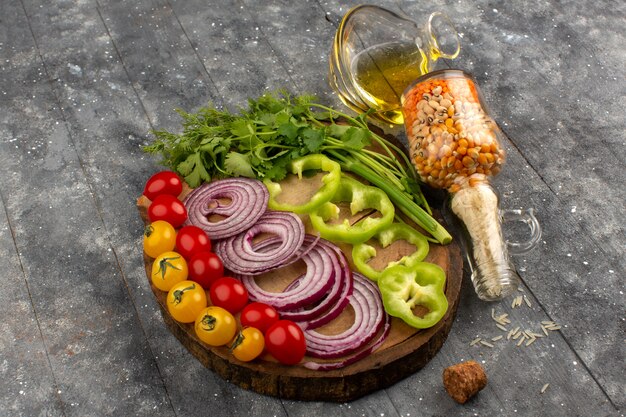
pixel 369 316
pixel 323 269
pixel 327 366
pixel 248 197
pixel 240 256
pixel 332 304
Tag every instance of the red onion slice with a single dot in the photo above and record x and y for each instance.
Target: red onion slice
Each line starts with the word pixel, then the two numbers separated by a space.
pixel 248 197
pixel 323 269
pixel 327 366
pixel 369 316
pixel 240 256
pixel 332 304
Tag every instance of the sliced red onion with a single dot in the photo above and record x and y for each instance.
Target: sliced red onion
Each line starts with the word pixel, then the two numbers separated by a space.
pixel 248 197
pixel 323 269
pixel 332 304
pixel 369 316
pixel 240 256
pixel 327 366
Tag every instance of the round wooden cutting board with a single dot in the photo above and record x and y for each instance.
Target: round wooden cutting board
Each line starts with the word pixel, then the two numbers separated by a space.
pixel 405 350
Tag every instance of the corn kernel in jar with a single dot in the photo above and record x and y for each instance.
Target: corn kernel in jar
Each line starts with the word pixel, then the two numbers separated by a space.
pixel 451 137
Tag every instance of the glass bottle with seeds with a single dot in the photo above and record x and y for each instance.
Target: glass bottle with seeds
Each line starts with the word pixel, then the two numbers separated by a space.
pixel 454 145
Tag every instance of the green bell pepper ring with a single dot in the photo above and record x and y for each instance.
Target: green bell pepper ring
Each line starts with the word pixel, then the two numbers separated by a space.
pixel 324 193
pixel 362 252
pixel 361 197
pixel 403 288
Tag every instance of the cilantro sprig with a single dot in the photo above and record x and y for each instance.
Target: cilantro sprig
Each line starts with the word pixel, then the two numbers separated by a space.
pixel 275 129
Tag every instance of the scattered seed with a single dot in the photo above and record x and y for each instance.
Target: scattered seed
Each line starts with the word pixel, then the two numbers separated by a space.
pixel 501 327
pixel 551 326
pixel 473 342
pixel 527 301
pixel 495 339
pixel 544 330
pixel 547 322
pixel 486 343
pixel 544 388
pixel 503 319
pixel 521 340
pixel 531 341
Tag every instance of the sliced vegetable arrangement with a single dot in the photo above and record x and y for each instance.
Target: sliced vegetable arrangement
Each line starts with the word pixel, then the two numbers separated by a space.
pixel 240 227
pixel 263 142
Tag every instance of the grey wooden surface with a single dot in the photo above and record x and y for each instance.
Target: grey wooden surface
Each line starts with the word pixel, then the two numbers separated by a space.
pixel 83 82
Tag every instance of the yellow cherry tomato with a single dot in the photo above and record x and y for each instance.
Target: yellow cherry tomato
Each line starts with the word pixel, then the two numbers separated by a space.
pixel 168 269
pixel 248 344
pixel 215 326
pixel 158 237
pixel 185 301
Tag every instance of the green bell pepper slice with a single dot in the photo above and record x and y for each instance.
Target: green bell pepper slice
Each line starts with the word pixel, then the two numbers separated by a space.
pixel 361 197
pixel 324 193
pixel 403 288
pixel 362 252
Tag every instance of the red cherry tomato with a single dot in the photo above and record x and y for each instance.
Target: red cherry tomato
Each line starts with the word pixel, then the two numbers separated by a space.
pixel 285 341
pixel 164 182
pixel 169 208
pixel 229 293
pixel 204 268
pixel 191 240
pixel 259 315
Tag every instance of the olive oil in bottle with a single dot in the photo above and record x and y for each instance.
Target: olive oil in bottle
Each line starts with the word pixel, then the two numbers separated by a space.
pixel 382 72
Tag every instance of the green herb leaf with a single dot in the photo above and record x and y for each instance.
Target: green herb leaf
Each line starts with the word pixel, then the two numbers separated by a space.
pixel 193 170
pixel 313 138
pixel 288 130
pixel 356 138
pixel 238 165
